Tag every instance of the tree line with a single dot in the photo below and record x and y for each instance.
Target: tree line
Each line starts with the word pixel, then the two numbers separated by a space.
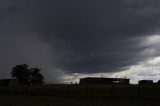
pixel 26 75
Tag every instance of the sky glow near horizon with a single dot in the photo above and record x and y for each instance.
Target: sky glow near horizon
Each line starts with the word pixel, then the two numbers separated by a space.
pixel 149 70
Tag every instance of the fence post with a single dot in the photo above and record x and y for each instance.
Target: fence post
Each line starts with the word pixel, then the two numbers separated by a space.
pixel 68 91
pixel 139 92
pixel 112 91
pixel 87 92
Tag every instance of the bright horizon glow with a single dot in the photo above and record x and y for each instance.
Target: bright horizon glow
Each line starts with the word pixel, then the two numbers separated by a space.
pixel 149 70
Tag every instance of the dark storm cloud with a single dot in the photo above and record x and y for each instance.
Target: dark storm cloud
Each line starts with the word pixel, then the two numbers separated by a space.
pixel 97 36
pixel 85 36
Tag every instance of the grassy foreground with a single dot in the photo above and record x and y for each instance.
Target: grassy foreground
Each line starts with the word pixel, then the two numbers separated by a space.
pixel 80 95
pixel 24 100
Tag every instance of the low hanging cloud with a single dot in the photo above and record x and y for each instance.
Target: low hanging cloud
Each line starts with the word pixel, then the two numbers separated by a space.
pixel 78 36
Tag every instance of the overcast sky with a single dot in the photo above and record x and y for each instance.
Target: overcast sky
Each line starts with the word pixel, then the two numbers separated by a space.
pixel 70 39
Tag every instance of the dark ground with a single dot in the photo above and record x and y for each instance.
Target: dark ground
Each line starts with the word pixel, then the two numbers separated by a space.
pixel 80 95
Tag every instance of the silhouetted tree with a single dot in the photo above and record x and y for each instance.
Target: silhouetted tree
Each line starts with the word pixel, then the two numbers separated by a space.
pixel 21 73
pixel 36 77
pixel 27 76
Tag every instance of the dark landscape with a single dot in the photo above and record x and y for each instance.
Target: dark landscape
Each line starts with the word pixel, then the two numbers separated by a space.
pixel 79 52
pixel 81 95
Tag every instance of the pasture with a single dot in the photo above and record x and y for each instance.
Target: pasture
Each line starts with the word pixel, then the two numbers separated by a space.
pixel 80 95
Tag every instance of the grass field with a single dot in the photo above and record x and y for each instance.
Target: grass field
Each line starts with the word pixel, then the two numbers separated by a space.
pixel 24 100
pixel 78 95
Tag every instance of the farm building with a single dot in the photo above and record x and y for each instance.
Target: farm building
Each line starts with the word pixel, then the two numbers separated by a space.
pixel 97 80
pixel 145 82
pixel 7 82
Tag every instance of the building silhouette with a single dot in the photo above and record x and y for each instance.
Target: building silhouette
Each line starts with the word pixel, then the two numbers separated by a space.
pixel 145 82
pixel 8 82
pixel 97 80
